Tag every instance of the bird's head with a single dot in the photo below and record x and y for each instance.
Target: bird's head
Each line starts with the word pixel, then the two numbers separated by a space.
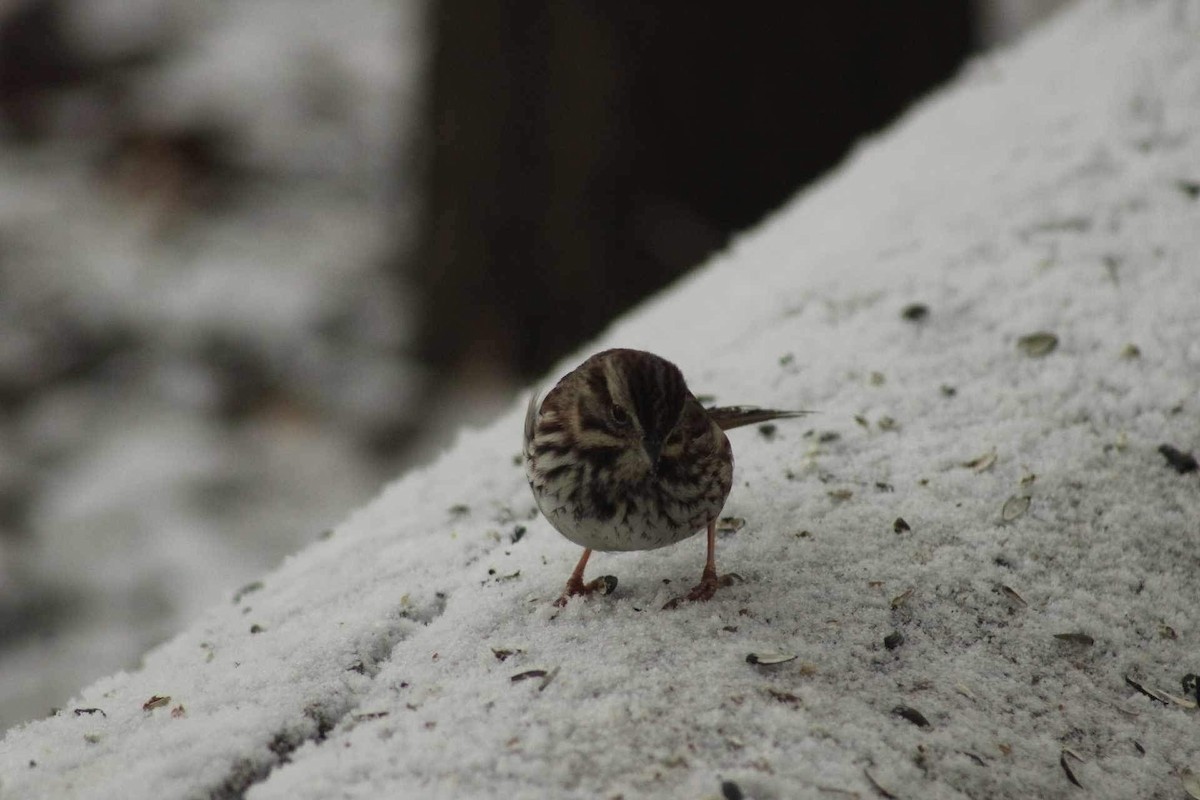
pixel 630 402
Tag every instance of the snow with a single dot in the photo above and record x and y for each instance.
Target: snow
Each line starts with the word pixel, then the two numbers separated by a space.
pixel 1049 189
pixel 193 363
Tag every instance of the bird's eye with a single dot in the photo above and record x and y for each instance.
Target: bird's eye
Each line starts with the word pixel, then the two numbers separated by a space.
pixel 620 416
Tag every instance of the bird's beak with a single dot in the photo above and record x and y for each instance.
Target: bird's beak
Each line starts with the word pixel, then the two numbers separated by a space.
pixel 653 450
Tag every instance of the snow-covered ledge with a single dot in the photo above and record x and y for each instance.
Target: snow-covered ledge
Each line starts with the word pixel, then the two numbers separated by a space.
pixel 1054 188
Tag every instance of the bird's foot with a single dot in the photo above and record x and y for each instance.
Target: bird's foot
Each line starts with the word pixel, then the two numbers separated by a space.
pixel 705 589
pixel 604 585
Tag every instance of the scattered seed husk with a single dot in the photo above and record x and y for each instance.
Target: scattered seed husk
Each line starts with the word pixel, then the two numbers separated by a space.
pixel 256 628
pixel 840 495
pixel 1036 345
pixel 1079 224
pixel 1153 695
pixel 978 759
pixel 884 486
pixel 902 598
pixel 877 379
pixel 900 526
pixel 1180 461
pixel 1076 638
pixel 178 711
pixel 861 420
pixel 981 463
pixel 156 701
pixel 877 786
pixel 767 430
pixel 769 659
pixel 787 698
pixel 1138 746
pixel 79 712
pixel 1166 631
pixel 504 653
pixel 915 312
pixel 825 437
pixel 912 715
pixel 730 524
pixel 886 423
pixel 547 678
pixel 503 578
pixel 369 715
pixel 1182 702
pixel 518 534
pixel 1131 351
pixel 1062 761
pixel 1027 480
pixel 1011 594
pixel 1191 783
pixel 731 791
pixel 527 674
pixel 1124 709
pixel 893 640
pixel 962 689
pixel 1014 507
pixel 459 510
pixel 1189 188
pixel 249 588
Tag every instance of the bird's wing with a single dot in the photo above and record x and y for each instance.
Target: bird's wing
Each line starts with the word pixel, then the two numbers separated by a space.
pixel 530 421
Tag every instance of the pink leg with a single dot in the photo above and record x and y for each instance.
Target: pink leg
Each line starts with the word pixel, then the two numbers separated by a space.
pixel 709 580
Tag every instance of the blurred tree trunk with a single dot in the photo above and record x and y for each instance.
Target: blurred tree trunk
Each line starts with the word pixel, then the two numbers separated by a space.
pixel 585 153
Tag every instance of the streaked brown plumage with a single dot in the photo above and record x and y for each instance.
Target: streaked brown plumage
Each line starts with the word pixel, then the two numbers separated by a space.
pixel 621 456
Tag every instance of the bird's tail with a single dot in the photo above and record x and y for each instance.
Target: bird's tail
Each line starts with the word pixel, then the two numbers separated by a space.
pixel 729 417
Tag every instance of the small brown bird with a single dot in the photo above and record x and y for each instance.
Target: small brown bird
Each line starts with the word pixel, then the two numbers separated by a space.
pixel 621 456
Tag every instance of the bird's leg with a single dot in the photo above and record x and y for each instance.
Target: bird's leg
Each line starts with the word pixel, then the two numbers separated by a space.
pixel 575 585
pixel 709 580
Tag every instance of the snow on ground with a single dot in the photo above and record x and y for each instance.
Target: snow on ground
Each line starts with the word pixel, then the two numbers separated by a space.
pixel 1046 569
pixel 193 363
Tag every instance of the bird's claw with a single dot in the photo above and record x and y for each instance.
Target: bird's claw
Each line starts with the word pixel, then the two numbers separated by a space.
pixel 604 585
pixel 705 589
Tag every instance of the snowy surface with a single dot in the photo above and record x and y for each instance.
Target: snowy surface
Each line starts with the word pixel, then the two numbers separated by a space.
pixel 136 310
pixel 1053 188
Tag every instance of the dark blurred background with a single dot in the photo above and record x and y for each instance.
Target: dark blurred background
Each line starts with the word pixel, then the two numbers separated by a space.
pixel 256 258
